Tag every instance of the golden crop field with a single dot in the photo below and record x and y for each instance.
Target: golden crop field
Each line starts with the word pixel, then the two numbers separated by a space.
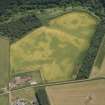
pixel 56 48
pixel 81 93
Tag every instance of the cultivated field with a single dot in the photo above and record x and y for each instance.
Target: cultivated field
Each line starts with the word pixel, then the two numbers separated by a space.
pixel 99 64
pixel 4 62
pixel 82 93
pixel 55 49
pixel 4 99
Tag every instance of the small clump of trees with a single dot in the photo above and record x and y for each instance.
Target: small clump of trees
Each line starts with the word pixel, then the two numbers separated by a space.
pixel 17 29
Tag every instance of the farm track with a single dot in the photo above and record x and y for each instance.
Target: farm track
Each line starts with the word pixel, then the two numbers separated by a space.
pixel 55 83
pixel 61 83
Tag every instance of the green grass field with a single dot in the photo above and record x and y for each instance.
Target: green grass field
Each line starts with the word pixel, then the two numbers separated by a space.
pixel 55 49
pixel 4 99
pixel 4 62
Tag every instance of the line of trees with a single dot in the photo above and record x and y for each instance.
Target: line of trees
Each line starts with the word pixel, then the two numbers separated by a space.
pixel 17 28
pixel 88 61
pixel 13 6
pixel 42 96
pixel 92 4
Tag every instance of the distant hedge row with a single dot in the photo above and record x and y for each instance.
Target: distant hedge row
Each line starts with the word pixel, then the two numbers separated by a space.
pixel 8 8
pixel 42 96
pixel 54 2
pixel 88 61
pixel 16 29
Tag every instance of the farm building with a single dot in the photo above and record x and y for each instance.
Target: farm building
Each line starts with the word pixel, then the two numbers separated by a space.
pixel 90 92
pixel 4 62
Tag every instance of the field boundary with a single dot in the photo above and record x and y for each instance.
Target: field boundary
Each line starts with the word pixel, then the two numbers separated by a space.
pixel 74 10
pixel 61 83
